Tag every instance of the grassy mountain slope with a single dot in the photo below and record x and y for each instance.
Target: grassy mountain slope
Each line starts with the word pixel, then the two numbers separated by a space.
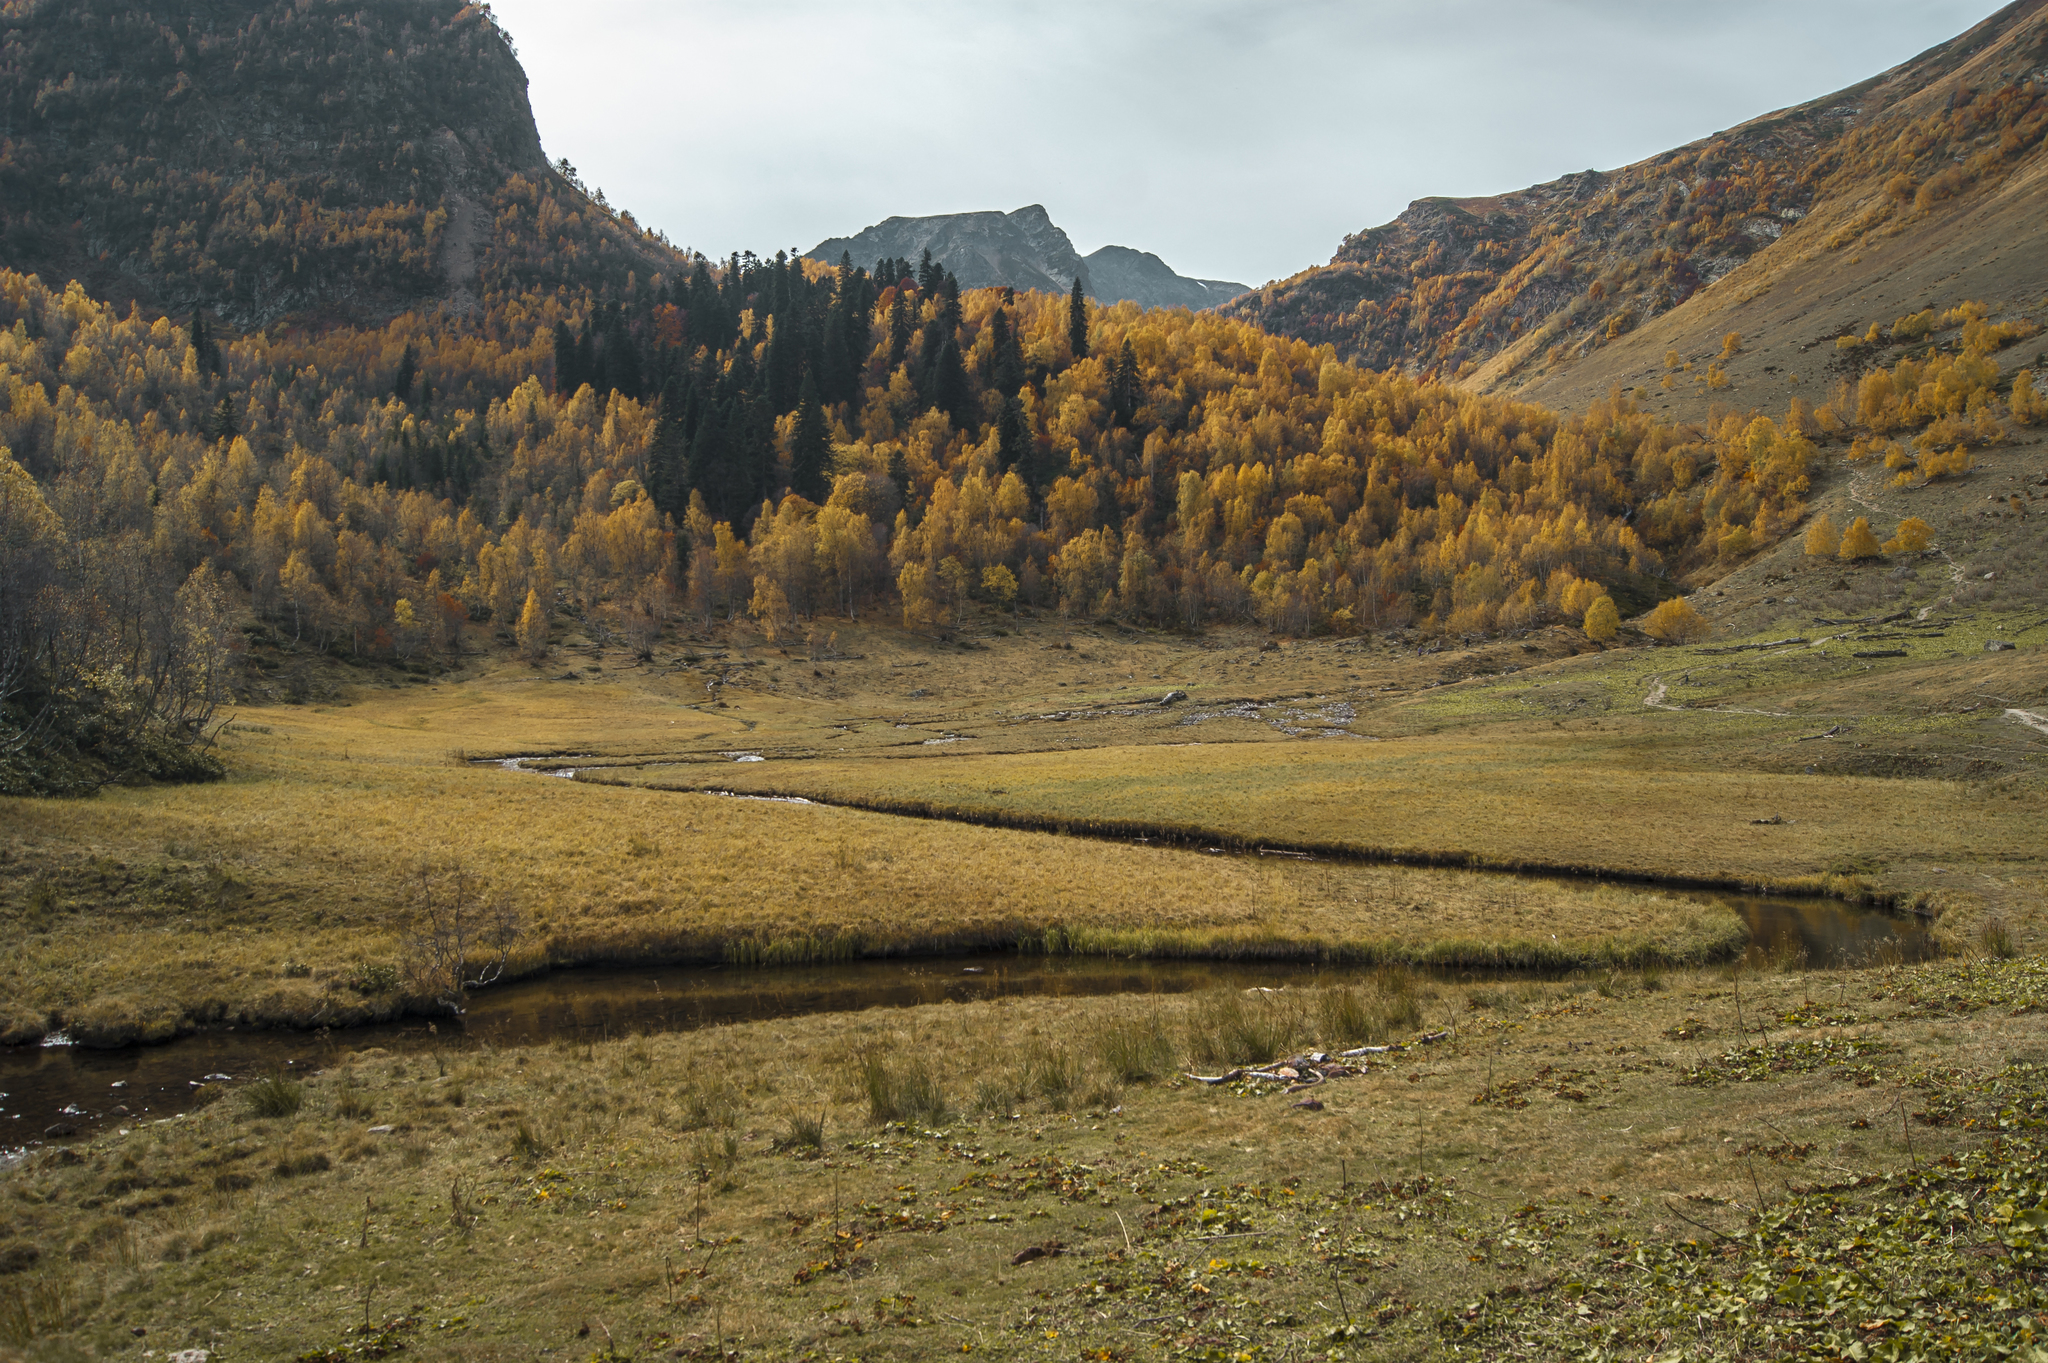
pixel 1924 184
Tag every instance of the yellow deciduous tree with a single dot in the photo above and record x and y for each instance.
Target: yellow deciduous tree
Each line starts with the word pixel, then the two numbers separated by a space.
pixel 921 606
pixel 1603 621
pixel 1822 539
pixel 770 606
pixel 1859 542
pixel 2029 405
pixel 1676 622
pixel 533 629
pixel 1000 584
pixel 1912 536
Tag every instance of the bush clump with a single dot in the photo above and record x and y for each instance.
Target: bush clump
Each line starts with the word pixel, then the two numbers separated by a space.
pixel 275 1096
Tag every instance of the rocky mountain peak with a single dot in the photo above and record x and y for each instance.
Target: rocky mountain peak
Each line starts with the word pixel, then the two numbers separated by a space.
pixel 1026 249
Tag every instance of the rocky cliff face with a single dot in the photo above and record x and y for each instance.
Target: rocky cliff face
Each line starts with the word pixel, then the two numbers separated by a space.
pixel 1027 250
pixel 271 157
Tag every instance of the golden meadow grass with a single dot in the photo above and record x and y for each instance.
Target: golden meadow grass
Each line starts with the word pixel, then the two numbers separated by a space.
pixel 143 911
pixel 734 1191
pixel 194 903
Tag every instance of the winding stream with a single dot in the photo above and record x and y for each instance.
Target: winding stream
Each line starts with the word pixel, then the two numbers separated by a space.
pixel 45 1089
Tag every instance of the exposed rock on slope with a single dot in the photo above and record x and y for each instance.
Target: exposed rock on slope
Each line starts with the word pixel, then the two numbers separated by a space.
pixel 268 157
pixel 1027 250
pixel 1571 286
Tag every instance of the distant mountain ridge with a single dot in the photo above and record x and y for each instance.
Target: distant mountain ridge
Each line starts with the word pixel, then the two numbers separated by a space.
pixel 1025 249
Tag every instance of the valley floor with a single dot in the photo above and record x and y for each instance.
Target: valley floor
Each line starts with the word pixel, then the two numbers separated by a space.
pixel 1626 1157
pixel 1701 1164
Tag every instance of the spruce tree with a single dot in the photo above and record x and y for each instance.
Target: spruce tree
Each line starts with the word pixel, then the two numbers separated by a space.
pixel 926 374
pixel 949 390
pixel 1009 358
pixel 949 301
pixel 622 359
pixel 709 321
pixel 1077 321
pixel 710 463
pixel 668 475
pixel 408 374
pixel 1013 437
pixel 784 363
pixel 587 370
pixel 810 454
pixel 204 352
pixel 902 322
pixel 224 426
pixel 567 379
pixel 1124 387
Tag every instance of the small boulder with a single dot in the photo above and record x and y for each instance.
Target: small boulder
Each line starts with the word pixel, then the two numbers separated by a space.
pixel 59 1130
pixel 1310 1105
pixel 2000 646
pixel 1173 697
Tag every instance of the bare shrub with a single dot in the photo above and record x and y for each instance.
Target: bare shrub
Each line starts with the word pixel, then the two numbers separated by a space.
pixel 459 937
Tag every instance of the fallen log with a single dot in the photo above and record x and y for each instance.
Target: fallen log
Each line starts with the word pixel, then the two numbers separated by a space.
pixel 1747 648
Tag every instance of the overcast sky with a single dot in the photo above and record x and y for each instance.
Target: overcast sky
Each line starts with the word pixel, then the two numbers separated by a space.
pixel 1237 140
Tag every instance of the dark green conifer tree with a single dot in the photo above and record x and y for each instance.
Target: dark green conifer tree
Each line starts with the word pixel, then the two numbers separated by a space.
pixel 408 374
pixel 668 472
pixel 1124 386
pixel 784 362
pixel 1077 321
pixel 709 322
pixel 587 370
pixel 224 426
pixel 810 452
pixel 950 392
pixel 1013 437
pixel 711 463
pixel 1009 357
pixel 622 359
pixel 566 377
pixel 205 349
pixel 902 324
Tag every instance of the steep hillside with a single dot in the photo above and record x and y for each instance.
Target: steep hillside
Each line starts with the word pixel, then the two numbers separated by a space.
pixel 1025 249
pixel 1922 186
pixel 264 159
